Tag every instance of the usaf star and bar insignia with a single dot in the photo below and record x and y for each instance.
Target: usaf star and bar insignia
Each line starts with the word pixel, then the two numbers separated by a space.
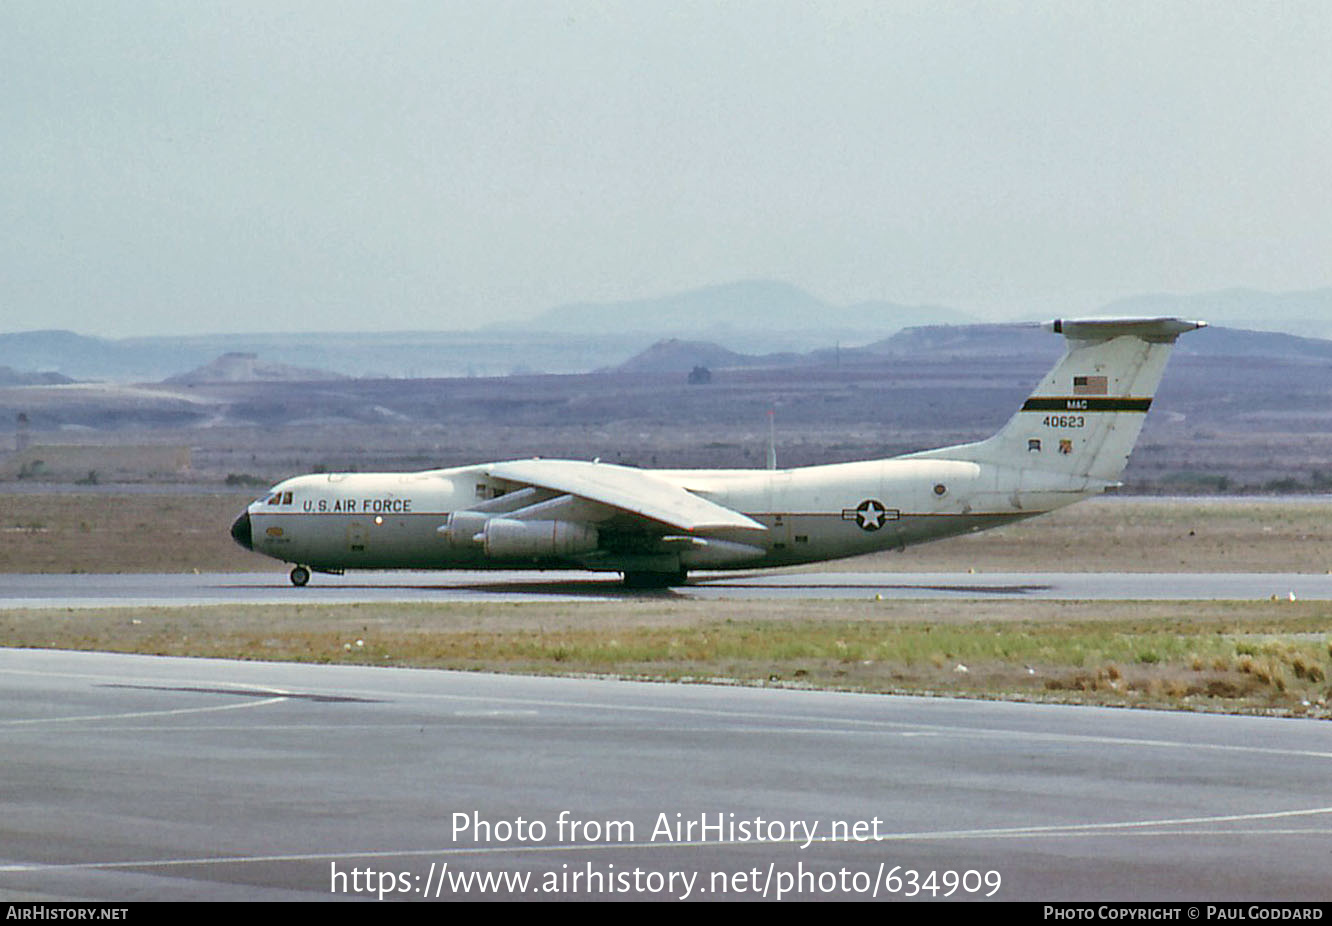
pixel 870 515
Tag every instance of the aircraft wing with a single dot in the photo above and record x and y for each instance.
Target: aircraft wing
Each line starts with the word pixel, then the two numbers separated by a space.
pixel 630 490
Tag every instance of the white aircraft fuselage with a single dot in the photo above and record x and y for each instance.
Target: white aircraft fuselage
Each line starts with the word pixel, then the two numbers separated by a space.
pixel 1068 442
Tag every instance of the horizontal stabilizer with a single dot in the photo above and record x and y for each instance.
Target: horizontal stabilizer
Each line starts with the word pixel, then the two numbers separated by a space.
pixel 1152 330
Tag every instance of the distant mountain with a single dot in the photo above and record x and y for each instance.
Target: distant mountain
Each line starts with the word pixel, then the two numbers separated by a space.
pixel 674 356
pixel 677 356
pixel 1027 341
pixel 1218 341
pixel 12 377
pixel 967 340
pixel 1307 313
pixel 753 320
pixel 86 357
pixel 743 313
pixel 239 367
pixel 64 351
pixel 953 341
pixel 395 354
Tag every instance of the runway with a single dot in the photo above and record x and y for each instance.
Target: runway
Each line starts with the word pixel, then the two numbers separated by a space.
pixel 134 590
pixel 146 778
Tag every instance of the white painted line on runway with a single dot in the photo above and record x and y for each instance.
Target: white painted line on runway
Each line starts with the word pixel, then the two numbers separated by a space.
pixel 30 721
pixel 511 705
pixel 582 707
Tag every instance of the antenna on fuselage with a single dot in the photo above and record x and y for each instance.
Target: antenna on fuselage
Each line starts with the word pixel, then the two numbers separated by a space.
pixel 772 439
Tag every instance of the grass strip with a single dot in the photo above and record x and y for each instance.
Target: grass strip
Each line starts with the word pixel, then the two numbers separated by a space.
pixel 1260 657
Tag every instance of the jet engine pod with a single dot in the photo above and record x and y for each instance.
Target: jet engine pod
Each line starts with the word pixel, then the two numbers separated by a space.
pixel 703 554
pixel 462 526
pixel 505 538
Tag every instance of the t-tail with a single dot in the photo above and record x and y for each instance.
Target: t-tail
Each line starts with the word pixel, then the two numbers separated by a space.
pixel 1080 424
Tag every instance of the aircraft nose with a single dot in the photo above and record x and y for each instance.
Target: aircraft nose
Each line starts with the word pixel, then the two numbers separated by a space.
pixel 240 531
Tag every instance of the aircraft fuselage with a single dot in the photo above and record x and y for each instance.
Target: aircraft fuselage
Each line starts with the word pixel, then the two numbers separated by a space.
pixel 393 520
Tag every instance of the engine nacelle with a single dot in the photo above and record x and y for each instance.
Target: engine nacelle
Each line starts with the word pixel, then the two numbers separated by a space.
pixel 714 553
pixel 462 526
pixel 505 538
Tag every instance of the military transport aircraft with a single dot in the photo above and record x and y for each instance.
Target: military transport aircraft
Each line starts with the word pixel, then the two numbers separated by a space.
pixel 1069 441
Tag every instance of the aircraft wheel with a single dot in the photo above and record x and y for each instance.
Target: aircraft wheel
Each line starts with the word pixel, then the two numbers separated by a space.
pixel 655 579
pixel 299 576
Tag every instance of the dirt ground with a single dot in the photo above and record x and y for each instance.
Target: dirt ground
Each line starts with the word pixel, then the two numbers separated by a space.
pixel 179 532
pixel 105 532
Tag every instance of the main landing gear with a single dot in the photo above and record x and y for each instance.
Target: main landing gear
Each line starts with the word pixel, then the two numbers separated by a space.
pixel 655 579
pixel 299 576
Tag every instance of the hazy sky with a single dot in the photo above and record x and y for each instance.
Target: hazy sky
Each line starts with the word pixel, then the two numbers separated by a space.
pixel 184 167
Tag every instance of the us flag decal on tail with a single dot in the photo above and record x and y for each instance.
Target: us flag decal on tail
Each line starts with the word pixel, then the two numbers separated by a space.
pixel 1090 385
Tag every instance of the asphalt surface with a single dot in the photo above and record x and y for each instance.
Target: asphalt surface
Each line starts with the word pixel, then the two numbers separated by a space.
pixel 145 778
pixel 92 590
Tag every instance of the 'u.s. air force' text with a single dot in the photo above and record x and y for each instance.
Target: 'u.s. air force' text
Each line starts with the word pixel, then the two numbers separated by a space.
pixel 362 505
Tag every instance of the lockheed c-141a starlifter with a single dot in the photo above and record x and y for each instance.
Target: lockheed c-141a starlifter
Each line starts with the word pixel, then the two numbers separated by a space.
pixel 1069 441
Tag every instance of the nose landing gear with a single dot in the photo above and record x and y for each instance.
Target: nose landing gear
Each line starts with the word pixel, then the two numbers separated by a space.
pixel 299 576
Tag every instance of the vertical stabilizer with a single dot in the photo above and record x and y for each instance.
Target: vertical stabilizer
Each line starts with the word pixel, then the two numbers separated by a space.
pixel 1084 417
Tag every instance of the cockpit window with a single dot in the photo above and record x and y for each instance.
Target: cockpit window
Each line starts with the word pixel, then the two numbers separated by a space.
pixel 275 499
pixel 286 498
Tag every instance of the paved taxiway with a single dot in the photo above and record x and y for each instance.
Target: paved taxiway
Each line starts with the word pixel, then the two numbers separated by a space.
pixel 87 590
pixel 133 777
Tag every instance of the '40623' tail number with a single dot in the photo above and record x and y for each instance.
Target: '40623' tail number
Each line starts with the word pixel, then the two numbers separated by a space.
pixel 1065 421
